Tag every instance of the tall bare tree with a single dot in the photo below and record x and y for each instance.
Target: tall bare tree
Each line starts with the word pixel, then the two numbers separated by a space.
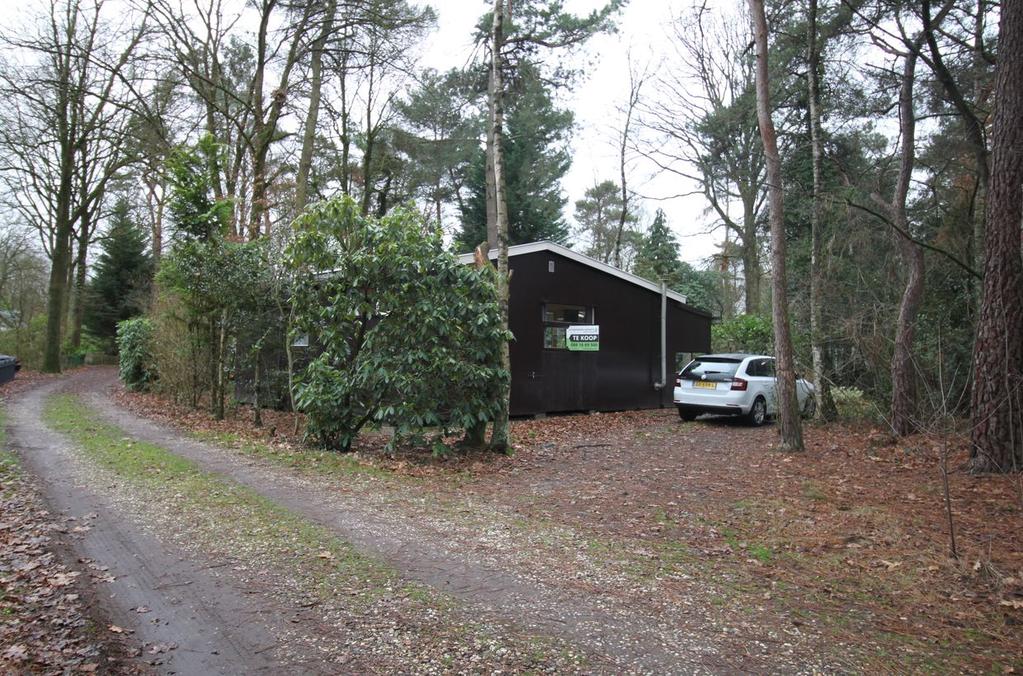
pixel 706 130
pixel 305 160
pixel 822 383
pixel 72 98
pixel 499 439
pixel 636 80
pixel 540 25
pixel 788 405
pixel 903 370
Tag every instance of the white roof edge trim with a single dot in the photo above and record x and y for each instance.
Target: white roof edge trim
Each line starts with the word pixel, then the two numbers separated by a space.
pixel 533 247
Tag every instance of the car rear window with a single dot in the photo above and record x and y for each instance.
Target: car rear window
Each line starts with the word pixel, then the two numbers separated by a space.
pixel 710 369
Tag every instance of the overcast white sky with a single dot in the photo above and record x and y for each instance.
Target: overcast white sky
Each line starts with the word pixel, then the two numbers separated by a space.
pixel 643 28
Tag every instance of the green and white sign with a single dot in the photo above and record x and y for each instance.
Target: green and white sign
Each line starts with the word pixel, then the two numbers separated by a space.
pixel 585 338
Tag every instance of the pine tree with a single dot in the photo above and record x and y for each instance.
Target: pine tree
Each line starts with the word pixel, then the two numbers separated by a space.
pixel 658 254
pixel 194 210
pixel 536 158
pixel 658 259
pixel 599 214
pixel 124 271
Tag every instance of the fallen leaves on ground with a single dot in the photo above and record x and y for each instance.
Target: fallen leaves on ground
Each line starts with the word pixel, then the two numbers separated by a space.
pixel 45 625
pixel 850 537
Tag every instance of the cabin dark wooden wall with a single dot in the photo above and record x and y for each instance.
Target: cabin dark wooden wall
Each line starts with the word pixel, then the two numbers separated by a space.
pixel 621 375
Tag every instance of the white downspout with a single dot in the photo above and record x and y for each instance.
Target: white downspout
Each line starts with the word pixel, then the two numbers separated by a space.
pixel 664 337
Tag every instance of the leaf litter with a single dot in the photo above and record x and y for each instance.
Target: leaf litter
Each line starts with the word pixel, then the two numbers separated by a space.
pixel 848 540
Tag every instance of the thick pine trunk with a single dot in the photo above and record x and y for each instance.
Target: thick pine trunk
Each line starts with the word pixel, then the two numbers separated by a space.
pixel 499 439
pixel 491 199
pixel 996 405
pixel 785 388
pixel 826 404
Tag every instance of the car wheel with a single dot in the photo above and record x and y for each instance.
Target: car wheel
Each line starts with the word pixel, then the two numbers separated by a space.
pixel 686 414
pixel 757 415
pixel 809 406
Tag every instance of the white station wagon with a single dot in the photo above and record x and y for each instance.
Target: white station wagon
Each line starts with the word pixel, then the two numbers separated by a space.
pixel 734 384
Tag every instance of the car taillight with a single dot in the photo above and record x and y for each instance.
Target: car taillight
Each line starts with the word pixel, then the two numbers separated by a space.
pixel 739 384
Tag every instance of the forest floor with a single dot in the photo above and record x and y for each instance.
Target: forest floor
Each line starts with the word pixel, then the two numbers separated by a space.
pixel 624 542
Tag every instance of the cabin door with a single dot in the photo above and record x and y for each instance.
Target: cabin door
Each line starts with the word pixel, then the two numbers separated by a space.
pixel 570 380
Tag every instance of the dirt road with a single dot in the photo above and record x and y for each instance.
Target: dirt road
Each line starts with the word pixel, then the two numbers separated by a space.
pixel 426 552
pixel 184 616
pixel 190 618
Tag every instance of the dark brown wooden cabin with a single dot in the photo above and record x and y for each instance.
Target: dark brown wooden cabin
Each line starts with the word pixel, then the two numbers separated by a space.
pixel 553 288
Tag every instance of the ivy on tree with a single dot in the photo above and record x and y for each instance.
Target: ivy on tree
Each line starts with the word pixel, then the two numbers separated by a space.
pixel 403 334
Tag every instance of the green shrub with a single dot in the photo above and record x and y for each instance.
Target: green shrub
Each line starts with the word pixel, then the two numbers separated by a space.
pixel 26 342
pixel 404 335
pixel 88 343
pixel 180 351
pixel 134 344
pixel 745 333
pixel 853 404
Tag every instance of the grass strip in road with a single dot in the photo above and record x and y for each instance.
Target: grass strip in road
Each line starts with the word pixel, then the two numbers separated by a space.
pixel 292 557
pixel 224 510
pixel 313 461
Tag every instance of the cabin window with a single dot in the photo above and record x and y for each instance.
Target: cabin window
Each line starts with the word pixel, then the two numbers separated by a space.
pixel 554 338
pixel 557 317
pixel 567 314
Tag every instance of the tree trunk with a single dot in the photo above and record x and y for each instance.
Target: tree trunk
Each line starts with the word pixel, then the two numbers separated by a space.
pixel 751 270
pixel 826 404
pixel 259 186
pixel 788 406
pixel 257 416
pixel 81 268
pixel 156 206
pixel 346 139
pixel 491 197
pixel 996 405
pixel 499 439
pixel 370 139
pixel 221 384
pixel 903 410
pixel 623 216
pixel 60 261
pixel 305 161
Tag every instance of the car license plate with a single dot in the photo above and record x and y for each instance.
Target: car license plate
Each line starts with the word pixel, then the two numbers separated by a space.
pixel 705 384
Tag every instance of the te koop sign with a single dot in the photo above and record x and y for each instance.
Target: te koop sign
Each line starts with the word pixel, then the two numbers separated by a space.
pixel 584 338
